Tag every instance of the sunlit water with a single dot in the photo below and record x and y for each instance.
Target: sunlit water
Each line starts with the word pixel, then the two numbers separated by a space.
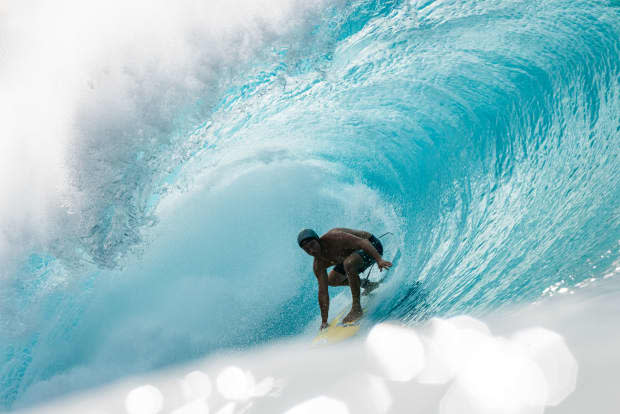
pixel 158 160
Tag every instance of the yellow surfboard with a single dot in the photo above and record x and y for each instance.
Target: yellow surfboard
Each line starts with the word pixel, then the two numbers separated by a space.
pixel 336 331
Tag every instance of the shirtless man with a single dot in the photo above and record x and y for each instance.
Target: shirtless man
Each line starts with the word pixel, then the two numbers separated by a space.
pixel 352 252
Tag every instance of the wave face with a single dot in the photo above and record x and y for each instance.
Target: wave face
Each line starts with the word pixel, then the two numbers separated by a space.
pixel 152 202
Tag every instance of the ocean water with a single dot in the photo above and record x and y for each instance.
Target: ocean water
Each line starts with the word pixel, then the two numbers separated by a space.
pixel 157 161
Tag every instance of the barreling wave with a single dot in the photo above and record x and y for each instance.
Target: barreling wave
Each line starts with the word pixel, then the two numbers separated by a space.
pixel 485 135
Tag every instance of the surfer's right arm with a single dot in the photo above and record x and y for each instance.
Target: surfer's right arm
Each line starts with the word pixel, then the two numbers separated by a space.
pixel 320 271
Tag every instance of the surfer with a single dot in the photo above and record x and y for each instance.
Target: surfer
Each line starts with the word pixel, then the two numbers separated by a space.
pixel 350 252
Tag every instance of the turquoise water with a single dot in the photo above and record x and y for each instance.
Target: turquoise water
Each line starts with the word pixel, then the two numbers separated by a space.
pixel 485 135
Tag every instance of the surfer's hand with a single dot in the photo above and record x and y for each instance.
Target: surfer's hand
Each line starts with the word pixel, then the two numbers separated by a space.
pixel 384 264
pixel 324 325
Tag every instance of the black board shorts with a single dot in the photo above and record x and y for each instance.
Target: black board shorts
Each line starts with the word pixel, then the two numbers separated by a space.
pixel 367 259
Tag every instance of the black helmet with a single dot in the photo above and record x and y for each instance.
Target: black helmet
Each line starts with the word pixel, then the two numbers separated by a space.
pixel 306 234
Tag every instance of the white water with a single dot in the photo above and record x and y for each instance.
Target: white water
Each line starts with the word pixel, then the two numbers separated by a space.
pixel 566 338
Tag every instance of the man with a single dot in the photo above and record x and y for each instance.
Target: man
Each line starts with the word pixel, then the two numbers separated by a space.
pixel 352 252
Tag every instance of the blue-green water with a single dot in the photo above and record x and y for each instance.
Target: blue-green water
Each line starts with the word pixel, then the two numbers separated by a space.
pixel 485 135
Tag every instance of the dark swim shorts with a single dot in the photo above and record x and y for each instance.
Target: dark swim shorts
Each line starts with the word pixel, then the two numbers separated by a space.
pixel 366 258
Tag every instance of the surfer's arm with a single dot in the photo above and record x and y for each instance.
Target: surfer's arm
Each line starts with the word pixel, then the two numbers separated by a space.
pixel 354 242
pixel 370 249
pixel 320 272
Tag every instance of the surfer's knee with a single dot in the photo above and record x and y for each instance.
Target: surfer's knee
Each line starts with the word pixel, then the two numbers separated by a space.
pixel 336 279
pixel 352 264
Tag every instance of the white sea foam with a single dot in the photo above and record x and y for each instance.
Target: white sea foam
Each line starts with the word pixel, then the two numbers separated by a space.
pixel 88 86
pixel 517 367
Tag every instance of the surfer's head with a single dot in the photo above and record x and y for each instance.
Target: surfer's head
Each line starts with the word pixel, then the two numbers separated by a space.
pixel 309 241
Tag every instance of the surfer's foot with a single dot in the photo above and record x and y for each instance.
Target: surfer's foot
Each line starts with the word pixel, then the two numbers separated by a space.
pixel 369 287
pixel 354 315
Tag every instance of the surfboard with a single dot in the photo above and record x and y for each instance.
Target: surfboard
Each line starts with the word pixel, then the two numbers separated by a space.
pixel 337 331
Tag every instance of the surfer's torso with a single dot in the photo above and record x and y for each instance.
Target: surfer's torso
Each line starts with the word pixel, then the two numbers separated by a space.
pixel 332 250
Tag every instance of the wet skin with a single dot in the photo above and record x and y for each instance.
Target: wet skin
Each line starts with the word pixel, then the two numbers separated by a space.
pixel 339 245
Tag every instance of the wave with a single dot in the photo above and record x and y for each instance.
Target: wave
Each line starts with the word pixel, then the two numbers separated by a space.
pixel 166 156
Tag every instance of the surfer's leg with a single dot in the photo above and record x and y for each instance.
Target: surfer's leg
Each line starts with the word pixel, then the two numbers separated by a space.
pixel 352 266
pixel 336 278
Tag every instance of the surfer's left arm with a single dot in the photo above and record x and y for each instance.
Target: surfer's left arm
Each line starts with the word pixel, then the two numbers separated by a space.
pixel 358 243
pixel 370 249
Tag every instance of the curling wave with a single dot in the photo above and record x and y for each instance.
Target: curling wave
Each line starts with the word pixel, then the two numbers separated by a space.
pixel 166 183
